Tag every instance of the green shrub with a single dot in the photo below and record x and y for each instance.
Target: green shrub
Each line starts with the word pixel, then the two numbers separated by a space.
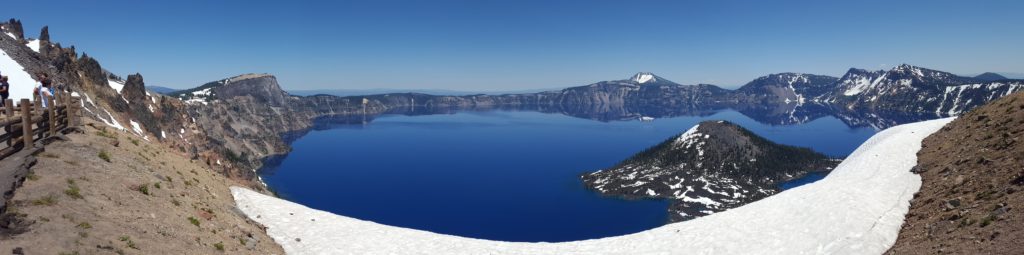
pixel 47 200
pixel 84 225
pixel 219 246
pixel 105 156
pixel 193 220
pixel 144 188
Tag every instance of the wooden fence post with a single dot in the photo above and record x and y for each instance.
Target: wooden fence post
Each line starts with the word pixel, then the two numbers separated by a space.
pixel 26 123
pixel 51 110
pixel 9 113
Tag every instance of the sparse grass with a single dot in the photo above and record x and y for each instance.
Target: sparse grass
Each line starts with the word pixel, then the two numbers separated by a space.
pixel 144 188
pixel 987 221
pixel 47 200
pixel 84 225
pixel 219 246
pixel 966 222
pixel 70 162
pixel 32 177
pixel 128 241
pixel 104 133
pixel 83 234
pixel 73 191
pixel 135 142
pixel 105 156
pixel 49 155
pixel 175 202
pixel 193 220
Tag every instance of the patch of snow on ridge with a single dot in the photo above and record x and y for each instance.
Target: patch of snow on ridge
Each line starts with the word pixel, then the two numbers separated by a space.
pixel 644 77
pixel 116 85
pixel 20 80
pixel 858 209
pixel 688 138
pixel 136 127
pixel 34 45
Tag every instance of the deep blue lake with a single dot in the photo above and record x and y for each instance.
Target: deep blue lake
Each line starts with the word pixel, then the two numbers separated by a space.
pixel 500 175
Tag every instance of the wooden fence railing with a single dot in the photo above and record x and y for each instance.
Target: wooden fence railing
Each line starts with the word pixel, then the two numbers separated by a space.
pixel 29 122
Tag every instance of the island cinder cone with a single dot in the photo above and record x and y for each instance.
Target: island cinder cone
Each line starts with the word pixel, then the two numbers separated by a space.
pixel 714 166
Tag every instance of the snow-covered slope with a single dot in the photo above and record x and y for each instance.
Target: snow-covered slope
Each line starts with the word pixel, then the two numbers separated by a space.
pixel 20 80
pixel 857 209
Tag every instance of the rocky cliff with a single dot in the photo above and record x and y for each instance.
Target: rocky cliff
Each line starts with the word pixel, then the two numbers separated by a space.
pixel 714 166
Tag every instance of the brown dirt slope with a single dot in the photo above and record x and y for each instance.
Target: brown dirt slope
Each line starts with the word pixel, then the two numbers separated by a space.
pixel 972 196
pixel 146 199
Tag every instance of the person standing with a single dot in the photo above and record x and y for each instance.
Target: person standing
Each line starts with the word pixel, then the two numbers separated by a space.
pixel 44 90
pixel 5 90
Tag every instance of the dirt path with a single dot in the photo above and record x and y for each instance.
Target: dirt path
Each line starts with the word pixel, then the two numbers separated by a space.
pixel 107 192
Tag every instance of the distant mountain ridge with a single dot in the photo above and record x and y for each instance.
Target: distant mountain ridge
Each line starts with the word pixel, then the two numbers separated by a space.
pixel 990 76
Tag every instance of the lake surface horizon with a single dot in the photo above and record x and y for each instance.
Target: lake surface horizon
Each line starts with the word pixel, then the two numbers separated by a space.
pixel 499 175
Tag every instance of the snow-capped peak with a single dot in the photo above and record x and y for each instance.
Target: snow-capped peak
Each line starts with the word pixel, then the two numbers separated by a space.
pixel 644 77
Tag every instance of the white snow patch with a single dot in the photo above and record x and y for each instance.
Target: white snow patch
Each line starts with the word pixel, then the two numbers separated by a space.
pixel 34 45
pixel 136 127
pixel 643 78
pixel 116 85
pixel 20 80
pixel 113 121
pixel 857 209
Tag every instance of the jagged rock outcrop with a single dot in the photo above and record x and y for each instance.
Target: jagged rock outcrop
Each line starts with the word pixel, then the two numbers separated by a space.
pixel 44 41
pixel 714 166
pixel 14 27
pixel 972 178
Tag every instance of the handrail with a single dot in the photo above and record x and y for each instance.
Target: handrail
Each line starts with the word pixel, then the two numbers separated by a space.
pixel 26 123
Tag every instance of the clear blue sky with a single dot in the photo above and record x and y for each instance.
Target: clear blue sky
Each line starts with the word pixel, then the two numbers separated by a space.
pixel 482 45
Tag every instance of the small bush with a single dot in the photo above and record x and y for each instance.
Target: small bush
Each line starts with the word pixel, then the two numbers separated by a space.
pixel 135 142
pixel 47 200
pixel 50 155
pixel 105 156
pixel 219 246
pixel 73 190
pixel 987 220
pixel 194 221
pixel 156 185
pixel 84 225
pixel 104 133
pixel 175 202
pixel 32 177
pixel 128 241
pixel 144 188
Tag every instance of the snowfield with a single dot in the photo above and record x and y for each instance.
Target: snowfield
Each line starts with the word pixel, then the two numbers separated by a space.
pixel 857 209
pixel 20 80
